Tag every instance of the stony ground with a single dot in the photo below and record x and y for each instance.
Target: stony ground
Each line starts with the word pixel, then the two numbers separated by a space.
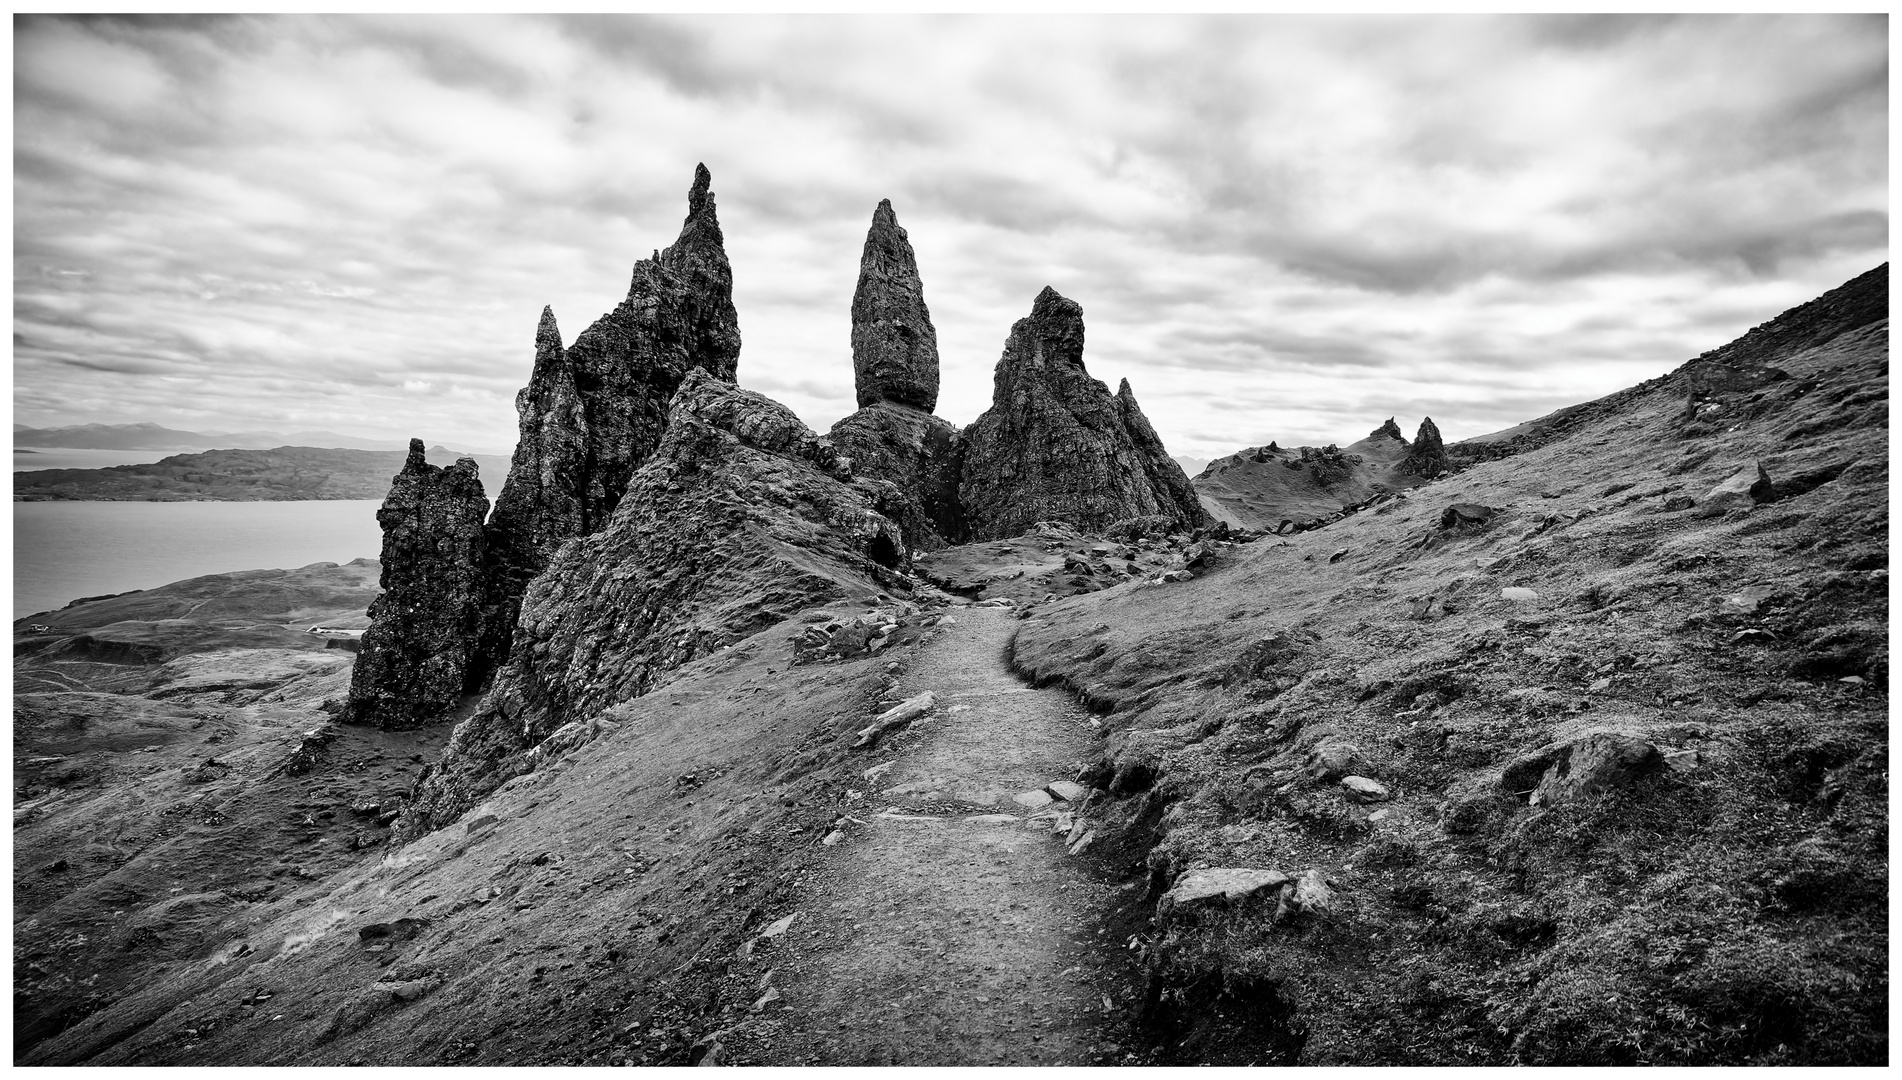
pixel 948 924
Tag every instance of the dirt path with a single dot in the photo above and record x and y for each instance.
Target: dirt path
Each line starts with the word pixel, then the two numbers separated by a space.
pixel 932 938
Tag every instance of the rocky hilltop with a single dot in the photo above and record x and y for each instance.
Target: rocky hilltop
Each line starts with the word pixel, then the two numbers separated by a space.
pixel 1057 445
pixel 1573 755
pixel 589 416
pixel 740 520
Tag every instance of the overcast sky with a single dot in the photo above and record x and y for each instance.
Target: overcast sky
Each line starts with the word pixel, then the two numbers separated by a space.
pixel 1278 228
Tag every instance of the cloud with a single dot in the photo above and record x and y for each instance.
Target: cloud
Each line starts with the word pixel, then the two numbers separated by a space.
pixel 1279 228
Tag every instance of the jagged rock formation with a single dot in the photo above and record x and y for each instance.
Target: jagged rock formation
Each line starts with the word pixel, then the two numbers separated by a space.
pixel 1390 430
pixel 420 654
pixel 1056 445
pixel 741 518
pixel 894 346
pixel 593 412
pixel 920 454
pixel 893 436
pixel 1427 457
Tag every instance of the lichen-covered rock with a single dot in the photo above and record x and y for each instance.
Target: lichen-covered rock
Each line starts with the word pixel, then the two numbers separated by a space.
pixel 1057 445
pixel 419 656
pixel 894 346
pixel 593 412
pixel 1427 456
pixel 920 454
pixel 733 526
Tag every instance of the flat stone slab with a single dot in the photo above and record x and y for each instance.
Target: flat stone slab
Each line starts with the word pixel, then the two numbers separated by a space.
pixel 1067 790
pixel 1365 789
pixel 1228 885
pixel 1035 800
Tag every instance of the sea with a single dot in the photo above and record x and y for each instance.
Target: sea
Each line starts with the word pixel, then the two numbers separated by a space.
pixel 66 550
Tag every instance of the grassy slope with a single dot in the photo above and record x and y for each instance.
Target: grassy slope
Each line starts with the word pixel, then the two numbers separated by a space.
pixel 1731 912
pixel 573 903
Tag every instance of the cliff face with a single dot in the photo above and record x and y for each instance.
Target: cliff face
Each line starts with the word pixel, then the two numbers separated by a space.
pixel 421 652
pixel 741 518
pixel 1056 445
pixel 894 436
pixel 592 413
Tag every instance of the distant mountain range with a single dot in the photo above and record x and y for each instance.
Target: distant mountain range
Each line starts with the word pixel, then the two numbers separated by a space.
pixel 156 437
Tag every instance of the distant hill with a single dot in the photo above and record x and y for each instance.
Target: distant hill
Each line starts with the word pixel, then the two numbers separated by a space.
pixel 156 437
pixel 1262 486
pixel 242 475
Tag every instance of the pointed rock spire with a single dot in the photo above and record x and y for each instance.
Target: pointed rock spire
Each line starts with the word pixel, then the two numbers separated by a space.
pixel 593 412
pixel 894 345
pixel 1427 457
pixel 1056 445
pixel 1390 429
pixel 421 651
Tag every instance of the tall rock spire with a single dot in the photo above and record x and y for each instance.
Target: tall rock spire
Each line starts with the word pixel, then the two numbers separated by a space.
pixel 1057 445
pixel 894 346
pixel 1427 456
pixel 420 654
pixel 894 436
pixel 593 412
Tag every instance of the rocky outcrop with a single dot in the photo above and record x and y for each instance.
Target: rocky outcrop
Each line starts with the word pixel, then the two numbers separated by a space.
pixel 1389 430
pixel 894 347
pixel 1056 445
pixel 893 436
pixel 420 654
pixel 740 519
pixel 593 412
pixel 1427 456
pixel 920 455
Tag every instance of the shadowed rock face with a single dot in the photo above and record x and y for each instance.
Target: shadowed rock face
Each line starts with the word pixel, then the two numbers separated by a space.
pixel 1056 445
pixel 894 347
pixel 920 455
pixel 592 413
pixel 740 519
pixel 420 654
pixel 1427 457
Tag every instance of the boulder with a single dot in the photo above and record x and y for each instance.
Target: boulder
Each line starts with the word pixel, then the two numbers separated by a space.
pixel 420 654
pixel 1742 490
pixel 1332 760
pixel 1219 887
pixel 1057 445
pixel 1461 517
pixel 1591 763
pixel 1365 789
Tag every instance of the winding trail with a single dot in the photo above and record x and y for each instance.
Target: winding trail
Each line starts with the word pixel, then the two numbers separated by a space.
pixel 933 939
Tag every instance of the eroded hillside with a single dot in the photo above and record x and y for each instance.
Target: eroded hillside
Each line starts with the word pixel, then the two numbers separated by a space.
pixel 1593 767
